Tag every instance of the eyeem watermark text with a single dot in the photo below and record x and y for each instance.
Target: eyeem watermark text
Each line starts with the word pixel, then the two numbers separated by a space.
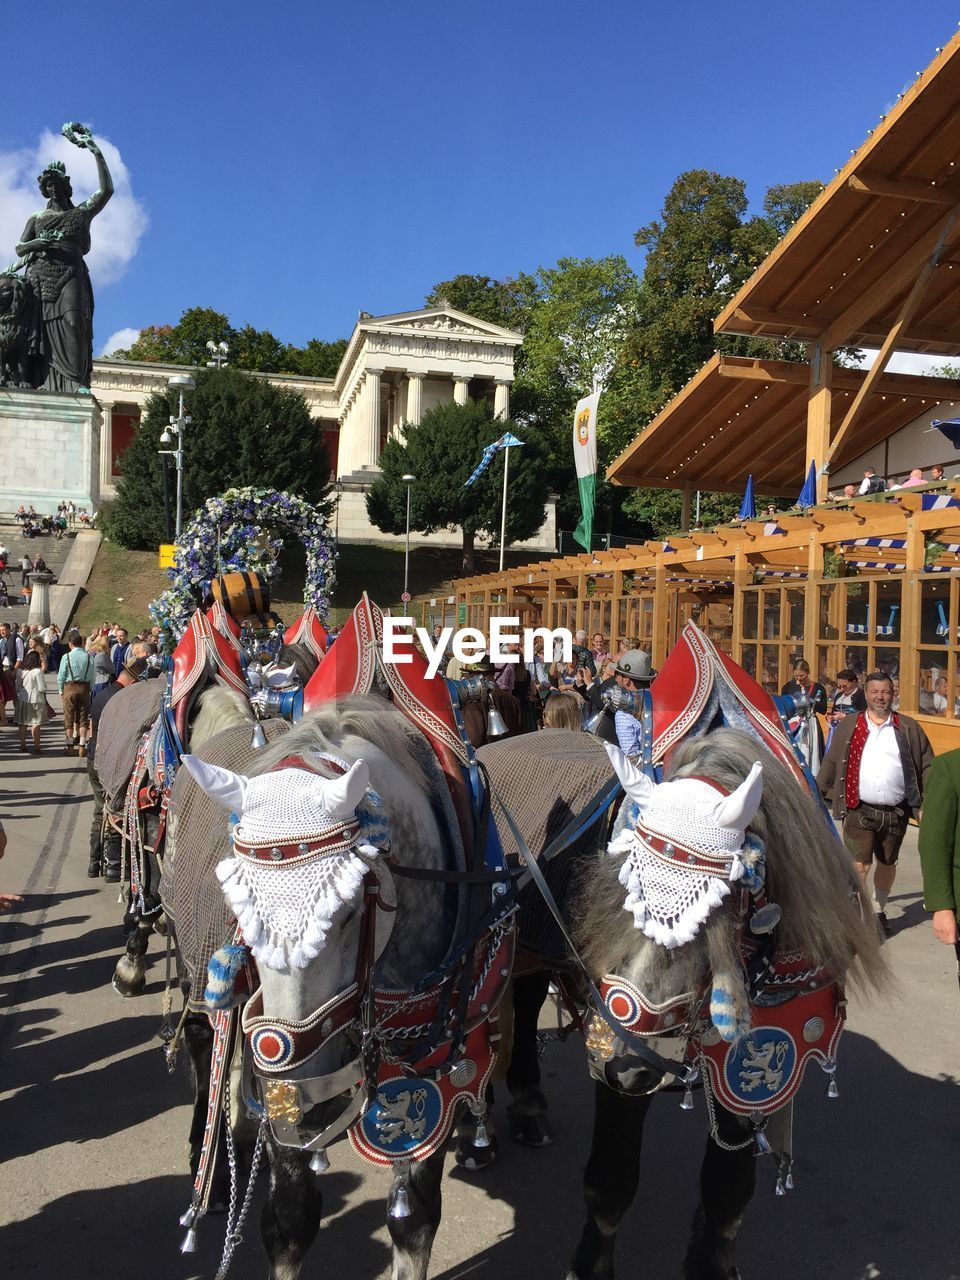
pixel 468 644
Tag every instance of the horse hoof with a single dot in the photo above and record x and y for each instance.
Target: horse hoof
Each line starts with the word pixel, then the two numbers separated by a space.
pixel 475 1159
pixel 128 989
pixel 531 1131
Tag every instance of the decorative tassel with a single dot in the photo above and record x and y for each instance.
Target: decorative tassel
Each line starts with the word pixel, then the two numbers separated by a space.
pixel 788 1181
pixel 832 1089
pixel 225 963
pixel 778 1189
pixel 319 1162
pixel 189 1217
pixel 398 1205
pixel 189 1242
pixel 724 1012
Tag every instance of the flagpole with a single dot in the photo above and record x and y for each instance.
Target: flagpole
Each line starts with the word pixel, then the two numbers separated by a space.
pixel 503 517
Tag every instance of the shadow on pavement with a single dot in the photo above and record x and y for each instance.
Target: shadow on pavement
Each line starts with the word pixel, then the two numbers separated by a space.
pixel 123 1230
pixel 870 1184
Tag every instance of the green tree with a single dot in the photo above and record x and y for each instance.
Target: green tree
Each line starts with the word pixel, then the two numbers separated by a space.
pixel 182 343
pixel 317 359
pixel 504 302
pixel 256 350
pixel 243 431
pixel 442 452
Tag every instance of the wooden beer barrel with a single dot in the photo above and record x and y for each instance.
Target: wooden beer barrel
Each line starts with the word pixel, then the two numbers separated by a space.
pixel 246 597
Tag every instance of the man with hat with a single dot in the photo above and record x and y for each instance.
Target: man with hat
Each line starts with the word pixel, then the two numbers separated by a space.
pixel 633 672
pixel 105 853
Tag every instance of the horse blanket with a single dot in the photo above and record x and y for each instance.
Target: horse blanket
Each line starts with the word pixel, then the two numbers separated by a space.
pixel 569 768
pixel 126 718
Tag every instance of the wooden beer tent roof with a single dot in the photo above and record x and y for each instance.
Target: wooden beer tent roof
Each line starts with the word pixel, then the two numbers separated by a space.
pixel 842 273
pixel 740 417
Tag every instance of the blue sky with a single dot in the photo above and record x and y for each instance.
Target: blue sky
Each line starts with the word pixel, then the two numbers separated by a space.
pixel 293 163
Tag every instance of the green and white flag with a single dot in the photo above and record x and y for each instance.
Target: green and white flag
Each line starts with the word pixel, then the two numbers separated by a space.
pixel 585 460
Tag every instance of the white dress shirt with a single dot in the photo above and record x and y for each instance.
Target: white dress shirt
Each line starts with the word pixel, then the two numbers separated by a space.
pixel 881 769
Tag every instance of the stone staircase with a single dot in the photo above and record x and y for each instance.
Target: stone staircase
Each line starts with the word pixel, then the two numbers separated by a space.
pixel 54 551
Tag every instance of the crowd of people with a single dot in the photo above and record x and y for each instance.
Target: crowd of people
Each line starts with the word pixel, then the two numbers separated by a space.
pixel 873 483
pixel 68 515
pixel 83 665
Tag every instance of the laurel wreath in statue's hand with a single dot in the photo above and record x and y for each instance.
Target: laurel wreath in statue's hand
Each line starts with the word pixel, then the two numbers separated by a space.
pixel 77 133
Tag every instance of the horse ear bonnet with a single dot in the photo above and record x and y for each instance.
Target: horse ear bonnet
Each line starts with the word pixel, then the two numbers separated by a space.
pixel 739 808
pixel 633 780
pixel 228 789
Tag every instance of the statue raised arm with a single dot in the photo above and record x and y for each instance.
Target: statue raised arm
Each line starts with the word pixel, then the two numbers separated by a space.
pixel 52 248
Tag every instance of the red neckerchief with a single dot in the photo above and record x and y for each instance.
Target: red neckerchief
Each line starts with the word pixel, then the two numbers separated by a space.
pixel 857 743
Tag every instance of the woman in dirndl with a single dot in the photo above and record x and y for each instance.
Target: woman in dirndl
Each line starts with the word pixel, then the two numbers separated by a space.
pixel 31 704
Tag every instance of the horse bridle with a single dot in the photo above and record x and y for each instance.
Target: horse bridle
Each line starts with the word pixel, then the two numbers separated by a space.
pixel 280 1046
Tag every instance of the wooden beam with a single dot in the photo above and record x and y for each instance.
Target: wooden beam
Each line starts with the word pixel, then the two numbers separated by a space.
pixel 762 370
pixel 784 323
pixel 819 415
pixel 910 304
pixel 889 285
pixel 900 189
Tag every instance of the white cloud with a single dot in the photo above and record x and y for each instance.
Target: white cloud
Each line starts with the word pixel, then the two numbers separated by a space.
pixel 116 231
pixel 118 341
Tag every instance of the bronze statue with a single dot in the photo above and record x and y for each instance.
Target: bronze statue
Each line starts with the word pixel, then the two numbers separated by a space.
pixel 52 249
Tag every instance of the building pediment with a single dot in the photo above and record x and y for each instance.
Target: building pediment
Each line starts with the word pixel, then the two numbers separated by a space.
pixel 438 321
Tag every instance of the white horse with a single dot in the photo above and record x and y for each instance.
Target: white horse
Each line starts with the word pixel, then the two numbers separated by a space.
pixel 303 922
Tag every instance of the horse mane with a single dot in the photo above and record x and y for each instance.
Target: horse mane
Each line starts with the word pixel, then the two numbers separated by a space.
pixel 810 876
pixel 215 709
pixel 299 656
pixel 370 718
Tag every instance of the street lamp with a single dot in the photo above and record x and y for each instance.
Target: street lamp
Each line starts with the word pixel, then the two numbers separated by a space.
pixel 219 351
pixel 181 383
pixel 408 481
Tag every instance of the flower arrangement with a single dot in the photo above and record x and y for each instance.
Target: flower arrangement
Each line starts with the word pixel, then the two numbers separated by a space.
pixel 238 532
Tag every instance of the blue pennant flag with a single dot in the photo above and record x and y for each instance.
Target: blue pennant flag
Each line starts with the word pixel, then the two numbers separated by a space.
pixel 950 427
pixel 507 441
pixel 808 494
pixel 748 508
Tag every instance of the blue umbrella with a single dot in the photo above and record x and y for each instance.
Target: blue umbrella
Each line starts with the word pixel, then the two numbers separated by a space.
pixel 748 508
pixel 808 494
pixel 950 427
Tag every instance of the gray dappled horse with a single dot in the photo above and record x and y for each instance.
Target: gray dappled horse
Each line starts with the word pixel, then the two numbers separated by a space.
pixel 671 939
pixel 300 974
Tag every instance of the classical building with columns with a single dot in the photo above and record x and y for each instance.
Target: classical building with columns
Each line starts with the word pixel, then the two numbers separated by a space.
pixel 395 368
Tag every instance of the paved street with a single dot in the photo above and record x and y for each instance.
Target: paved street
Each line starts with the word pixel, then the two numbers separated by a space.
pixel 93 1130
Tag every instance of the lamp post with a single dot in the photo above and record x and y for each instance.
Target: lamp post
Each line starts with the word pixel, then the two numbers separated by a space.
pixel 181 383
pixel 219 352
pixel 408 481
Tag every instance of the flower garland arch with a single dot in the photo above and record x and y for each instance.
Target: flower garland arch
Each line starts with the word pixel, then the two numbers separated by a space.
pixel 238 532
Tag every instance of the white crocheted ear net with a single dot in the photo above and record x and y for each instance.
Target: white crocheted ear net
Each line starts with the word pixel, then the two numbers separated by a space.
pixel 669 895
pixel 286 805
pixel 683 810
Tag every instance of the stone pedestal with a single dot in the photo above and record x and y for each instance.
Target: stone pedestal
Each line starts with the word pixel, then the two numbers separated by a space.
pixel 49 450
pixel 39 614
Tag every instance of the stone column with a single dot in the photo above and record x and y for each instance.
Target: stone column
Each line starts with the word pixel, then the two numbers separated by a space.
pixel 106 445
pixel 501 398
pixel 414 398
pixel 39 599
pixel 460 388
pixel 370 432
